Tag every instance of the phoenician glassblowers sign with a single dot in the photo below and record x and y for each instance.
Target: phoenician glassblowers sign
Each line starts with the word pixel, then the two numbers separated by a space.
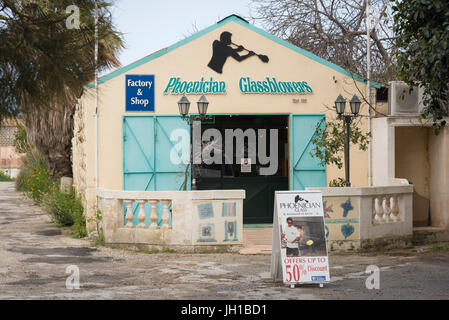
pixel 204 86
pixel 273 86
pixel 299 251
pixel 268 85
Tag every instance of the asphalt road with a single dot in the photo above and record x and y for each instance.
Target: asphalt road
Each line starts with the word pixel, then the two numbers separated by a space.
pixel 35 257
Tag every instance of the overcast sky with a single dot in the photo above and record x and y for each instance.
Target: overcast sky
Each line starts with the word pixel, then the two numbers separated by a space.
pixel 151 25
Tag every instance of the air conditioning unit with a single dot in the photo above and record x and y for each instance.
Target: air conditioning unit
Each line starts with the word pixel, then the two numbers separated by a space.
pixel 402 102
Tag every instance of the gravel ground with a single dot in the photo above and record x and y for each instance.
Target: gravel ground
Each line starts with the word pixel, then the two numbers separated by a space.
pixel 35 255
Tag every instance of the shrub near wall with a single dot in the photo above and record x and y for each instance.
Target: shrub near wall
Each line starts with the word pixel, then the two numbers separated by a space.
pixel 65 209
pixel 4 177
pixel 34 174
pixel 39 184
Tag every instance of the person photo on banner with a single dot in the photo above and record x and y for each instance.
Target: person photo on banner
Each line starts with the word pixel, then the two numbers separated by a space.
pixel 292 237
pixel 306 245
pixel 301 242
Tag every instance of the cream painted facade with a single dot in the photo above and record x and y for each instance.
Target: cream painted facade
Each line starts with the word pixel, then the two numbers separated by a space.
pixel 188 60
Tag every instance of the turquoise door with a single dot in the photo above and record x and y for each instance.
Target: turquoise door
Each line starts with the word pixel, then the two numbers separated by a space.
pixel 305 170
pixel 148 156
pixel 148 151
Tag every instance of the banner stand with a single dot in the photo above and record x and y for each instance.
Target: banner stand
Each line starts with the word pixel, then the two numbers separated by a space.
pixel 306 259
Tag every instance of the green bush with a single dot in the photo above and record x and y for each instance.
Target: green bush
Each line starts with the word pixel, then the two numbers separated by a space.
pixel 4 177
pixel 340 182
pixel 39 184
pixel 59 206
pixel 66 210
pixel 35 179
pixel 79 229
pixel 20 140
pixel 33 163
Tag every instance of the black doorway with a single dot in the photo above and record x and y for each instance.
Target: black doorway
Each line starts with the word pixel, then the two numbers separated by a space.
pixel 258 205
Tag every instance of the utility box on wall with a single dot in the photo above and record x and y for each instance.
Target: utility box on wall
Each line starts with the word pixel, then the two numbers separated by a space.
pixel 402 101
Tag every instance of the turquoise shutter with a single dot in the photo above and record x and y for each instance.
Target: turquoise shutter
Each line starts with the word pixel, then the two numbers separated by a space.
pixel 146 156
pixel 139 153
pixel 146 153
pixel 305 170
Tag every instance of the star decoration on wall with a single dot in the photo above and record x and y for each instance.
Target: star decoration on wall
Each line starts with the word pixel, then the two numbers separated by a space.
pixel 327 209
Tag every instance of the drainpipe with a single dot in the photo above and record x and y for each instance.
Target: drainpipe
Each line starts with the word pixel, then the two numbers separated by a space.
pixel 96 98
pixel 368 93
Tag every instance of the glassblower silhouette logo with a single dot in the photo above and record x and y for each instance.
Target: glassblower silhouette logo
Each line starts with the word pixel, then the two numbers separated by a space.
pixel 224 48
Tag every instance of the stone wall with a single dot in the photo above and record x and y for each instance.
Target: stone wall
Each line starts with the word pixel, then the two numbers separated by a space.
pixel 79 156
pixel 7 135
pixel 433 171
pixel 356 217
pixel 9 159
pixel 186 221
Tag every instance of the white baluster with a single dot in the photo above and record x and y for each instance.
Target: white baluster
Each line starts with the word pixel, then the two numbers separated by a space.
pixel 129 214
pixel 141 215
pixel 165 214
pixel 386 209
pixel 394 216
pixel 378 210
pixel 153 216
pixel 120 214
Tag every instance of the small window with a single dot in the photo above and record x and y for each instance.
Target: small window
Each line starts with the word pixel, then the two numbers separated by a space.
pixel 382 94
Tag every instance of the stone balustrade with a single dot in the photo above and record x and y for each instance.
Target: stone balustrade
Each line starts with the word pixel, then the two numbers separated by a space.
pixel 181 220
pixel 386 209
pixel 142 216
pixel 360 216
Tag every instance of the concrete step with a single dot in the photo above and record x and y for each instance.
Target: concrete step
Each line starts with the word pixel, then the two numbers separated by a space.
pixel 428 235
pixel 257 240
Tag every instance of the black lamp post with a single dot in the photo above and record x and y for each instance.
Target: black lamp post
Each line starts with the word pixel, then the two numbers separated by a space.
pixel 340 105
pixel 202 106
pixel 184 106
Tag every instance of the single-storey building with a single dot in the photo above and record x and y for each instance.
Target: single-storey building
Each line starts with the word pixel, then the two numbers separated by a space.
pixel 132 147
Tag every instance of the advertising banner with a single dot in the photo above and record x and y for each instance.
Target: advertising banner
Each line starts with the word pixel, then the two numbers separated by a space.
pixel 299 252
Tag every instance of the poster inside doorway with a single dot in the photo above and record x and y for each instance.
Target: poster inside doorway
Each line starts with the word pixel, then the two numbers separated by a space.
pixel 299 241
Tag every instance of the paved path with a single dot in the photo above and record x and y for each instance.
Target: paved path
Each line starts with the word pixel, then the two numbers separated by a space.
pixel 34 255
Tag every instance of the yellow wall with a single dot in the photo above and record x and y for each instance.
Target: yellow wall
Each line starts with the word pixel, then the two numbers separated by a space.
pixel 189 62
pixel 439 177
pixel 341 225
pixel 412 163
pixel 421 157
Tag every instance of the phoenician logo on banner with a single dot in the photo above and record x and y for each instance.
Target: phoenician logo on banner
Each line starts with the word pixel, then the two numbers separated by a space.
pixel 299 218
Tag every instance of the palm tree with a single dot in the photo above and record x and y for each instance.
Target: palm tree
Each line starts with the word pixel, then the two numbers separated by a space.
pixel 44 67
